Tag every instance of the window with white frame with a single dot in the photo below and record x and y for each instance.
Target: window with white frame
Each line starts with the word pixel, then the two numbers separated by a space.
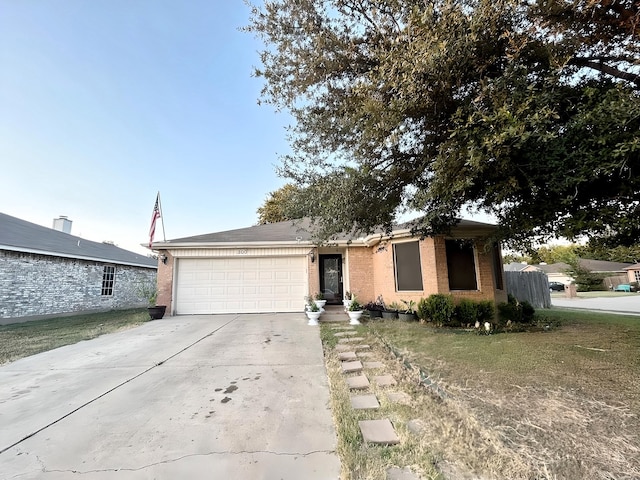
pixel 406 261
pixel 637 275
pixel 461 263
pixel 108 279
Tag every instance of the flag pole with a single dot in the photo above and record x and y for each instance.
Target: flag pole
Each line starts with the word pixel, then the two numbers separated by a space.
pixel 164 236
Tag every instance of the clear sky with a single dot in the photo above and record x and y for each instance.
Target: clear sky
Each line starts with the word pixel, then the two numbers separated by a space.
pixel 103 103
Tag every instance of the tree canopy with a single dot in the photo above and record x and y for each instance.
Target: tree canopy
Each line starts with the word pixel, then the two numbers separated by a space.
pixel 276 206
pixel 529 111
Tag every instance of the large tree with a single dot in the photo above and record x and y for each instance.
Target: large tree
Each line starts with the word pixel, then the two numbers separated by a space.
pixel 276 206
pixel 527 110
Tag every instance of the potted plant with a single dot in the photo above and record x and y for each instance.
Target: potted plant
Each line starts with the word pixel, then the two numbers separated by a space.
pixel 347 300
pixel 149 291
pixel 408 314
pixel 374 309
pixel 391 311
pixel 313 312
pixel 355 312
pixel 320 300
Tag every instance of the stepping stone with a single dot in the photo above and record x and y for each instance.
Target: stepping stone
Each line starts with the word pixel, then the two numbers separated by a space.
pixel 379 432
pixel 364 402
pixel 396 473
pixel 344 348
pixel 385 380
pixel 361 347
pixel 359 382
pixel 344 334
pixel 351 367
pixel 366 354
pixel 399 397
pixel 373 365
pixel 417 426
pixel 347 357
pixel 351 339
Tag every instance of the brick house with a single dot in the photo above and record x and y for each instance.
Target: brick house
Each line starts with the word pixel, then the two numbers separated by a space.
pixel 273 267
pixel 44 271
pixel 633 272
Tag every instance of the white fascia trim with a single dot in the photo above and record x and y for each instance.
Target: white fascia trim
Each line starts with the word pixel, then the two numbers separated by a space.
pixel 74 257
pixel 277 244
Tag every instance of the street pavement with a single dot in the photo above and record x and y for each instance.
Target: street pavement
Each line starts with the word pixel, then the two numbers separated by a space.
pixel 193 397
pixel 622 304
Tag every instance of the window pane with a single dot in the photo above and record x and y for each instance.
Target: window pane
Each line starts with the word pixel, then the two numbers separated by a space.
pixel 461 265
pixel 407 265
pixel 497 266
pixel 108 279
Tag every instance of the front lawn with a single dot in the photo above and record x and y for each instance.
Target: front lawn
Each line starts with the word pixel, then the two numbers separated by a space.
pixel 19 340
pixel 563 403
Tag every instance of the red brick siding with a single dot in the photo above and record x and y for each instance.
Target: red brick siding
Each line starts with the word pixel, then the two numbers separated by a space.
pixel 361 273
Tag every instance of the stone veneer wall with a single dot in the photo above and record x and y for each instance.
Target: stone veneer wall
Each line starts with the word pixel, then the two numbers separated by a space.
pixel 33 285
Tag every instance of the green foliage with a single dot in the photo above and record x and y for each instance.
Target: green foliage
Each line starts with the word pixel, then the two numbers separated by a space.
pixel 585 280
pixel 355 306
pixel 319 296
pixel 409 306
pixel 486 311
pixel 149 292
pixel 527 110
pixel 467 311
pixel 394 307
pixel 515 311
pixel 278 207
pixel 438 308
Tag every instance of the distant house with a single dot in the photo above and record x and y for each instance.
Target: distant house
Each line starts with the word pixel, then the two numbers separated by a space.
pixel 45 271
pixel 557 272
pixel 633 273
pixel 273 267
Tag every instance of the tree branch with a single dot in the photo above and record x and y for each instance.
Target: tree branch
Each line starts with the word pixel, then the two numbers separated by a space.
pixel 608 69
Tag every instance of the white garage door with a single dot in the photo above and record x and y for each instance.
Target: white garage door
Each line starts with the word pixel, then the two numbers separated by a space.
pixel 241 285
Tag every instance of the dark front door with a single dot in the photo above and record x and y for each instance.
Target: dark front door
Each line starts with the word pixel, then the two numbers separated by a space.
pixel 331 278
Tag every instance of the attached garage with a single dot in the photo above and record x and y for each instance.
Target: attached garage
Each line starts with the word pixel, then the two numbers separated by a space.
pixel 247 284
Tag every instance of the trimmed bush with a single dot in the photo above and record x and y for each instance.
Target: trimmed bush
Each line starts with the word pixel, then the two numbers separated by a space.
pixel 467 311
pixel 486 311
pixel 439 308
pixel 517 312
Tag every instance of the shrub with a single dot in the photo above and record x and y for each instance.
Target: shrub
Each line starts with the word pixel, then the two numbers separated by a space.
pixel 439 308
pixel 486 311
pixel 467 311
pixel 516 311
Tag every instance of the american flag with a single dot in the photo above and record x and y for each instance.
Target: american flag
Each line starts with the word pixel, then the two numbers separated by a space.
pixel 154 216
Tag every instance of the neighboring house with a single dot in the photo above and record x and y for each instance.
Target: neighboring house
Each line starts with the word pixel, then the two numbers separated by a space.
pixel 633 273
pixel 557 272
pixel 514 267
pixel 273 267
pixel 48 272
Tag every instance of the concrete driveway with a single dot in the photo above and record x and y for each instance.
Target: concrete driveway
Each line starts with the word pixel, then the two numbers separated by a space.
pixel 215 397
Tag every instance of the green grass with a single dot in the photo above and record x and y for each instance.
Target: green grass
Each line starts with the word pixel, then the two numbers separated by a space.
pixel 20 340
pixel 543 393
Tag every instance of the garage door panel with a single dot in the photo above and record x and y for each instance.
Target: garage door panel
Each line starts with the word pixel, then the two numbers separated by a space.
pixel 237 285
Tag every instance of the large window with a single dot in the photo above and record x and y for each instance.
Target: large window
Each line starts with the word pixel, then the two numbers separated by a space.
pixel 406 260
pixel 461 263
pixel 637 275
pixel 108 279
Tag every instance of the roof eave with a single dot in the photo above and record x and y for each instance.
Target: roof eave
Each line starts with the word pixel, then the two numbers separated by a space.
pixel 12 248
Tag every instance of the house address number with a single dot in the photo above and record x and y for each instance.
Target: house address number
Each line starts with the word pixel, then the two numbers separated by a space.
pixel 242 251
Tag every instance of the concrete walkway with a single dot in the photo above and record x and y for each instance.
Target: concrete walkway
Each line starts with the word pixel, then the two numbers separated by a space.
pixel 223 396
pixel 623 304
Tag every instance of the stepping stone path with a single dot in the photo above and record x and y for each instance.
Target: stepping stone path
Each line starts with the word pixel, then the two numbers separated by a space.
pixel 373 431
pixel 347 357
pixel 378 432
pixel 399 397
pixel 351 367
pixel 401 474
pixel 364 402
pixel 344 334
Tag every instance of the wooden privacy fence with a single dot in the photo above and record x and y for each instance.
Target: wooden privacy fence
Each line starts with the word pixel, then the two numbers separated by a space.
pixel 532 287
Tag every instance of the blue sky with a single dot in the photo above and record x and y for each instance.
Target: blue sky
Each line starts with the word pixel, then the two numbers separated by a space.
pixel 105 102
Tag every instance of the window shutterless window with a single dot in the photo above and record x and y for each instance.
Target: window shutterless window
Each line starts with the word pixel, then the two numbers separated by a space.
pixel 108 279
pixel 637 274
pixel 408 272
pixel 497 266
pixel 461 263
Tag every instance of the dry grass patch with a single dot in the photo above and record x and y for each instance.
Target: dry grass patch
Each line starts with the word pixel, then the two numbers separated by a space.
pixel 19 340
pixel 544 405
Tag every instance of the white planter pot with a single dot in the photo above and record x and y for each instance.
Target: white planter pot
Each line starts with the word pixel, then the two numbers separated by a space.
pixel 320 304
pixel 354 317
pixel 313 318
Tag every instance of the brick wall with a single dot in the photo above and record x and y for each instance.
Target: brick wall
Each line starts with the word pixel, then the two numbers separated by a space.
pixel 361 274
pixel 34 285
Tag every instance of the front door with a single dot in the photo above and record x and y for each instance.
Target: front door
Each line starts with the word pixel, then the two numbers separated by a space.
pixel 331 278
